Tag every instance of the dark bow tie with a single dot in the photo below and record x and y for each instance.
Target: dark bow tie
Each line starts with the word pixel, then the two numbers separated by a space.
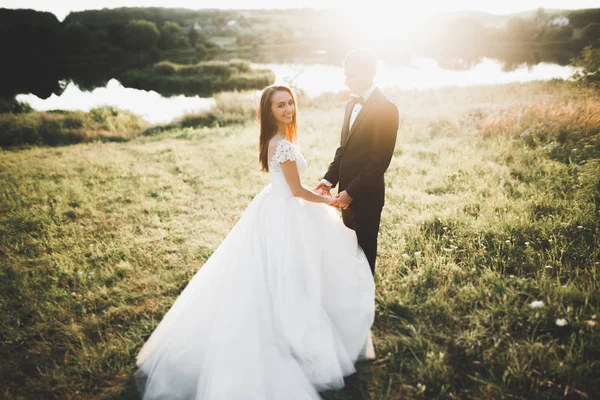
pixel 356 99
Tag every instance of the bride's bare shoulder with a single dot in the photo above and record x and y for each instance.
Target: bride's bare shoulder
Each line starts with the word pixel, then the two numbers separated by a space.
pixel 274 142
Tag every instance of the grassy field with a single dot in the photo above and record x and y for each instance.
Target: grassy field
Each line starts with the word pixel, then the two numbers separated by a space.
pixel 487 277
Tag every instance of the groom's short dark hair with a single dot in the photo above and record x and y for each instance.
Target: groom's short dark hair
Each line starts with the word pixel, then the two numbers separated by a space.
pixel 363 61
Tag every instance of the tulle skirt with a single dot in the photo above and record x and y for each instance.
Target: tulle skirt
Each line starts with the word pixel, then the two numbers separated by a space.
pixel 281 310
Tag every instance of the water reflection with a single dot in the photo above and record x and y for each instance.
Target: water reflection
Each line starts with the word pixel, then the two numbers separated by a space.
pixel 153 107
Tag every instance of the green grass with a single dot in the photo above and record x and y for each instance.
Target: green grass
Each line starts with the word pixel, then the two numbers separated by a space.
pixel 223 41
pixel 60 127
pixel 230 108
pixel 98 239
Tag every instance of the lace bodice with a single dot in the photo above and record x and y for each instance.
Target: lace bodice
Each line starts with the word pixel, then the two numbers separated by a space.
pixel 285 151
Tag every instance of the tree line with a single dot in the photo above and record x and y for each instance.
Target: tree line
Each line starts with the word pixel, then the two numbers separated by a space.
pixel 40 53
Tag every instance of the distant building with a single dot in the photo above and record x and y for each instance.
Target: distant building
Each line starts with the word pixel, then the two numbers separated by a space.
pixel 233 25
pixel 206 29
pixel 560 21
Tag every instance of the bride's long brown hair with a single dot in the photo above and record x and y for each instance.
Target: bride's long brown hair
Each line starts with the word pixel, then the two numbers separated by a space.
pixel 268 124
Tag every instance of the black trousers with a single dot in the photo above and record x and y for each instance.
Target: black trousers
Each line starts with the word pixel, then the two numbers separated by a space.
pixel 364 220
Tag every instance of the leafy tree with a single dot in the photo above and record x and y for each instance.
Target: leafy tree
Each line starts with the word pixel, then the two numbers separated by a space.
pixel 141 35
pixel 101 36
pixel 76 37
pixel 154 54
pixel 557 33
pixel 193 36
pixel 219 20
pixel 201 51
pixel 243 21
pixel 116 34
pixel 591 33
pixel 32 58
pixel 116 55
pixel 582 18
pixel 170 33
pixel 183 43
pixel 541 17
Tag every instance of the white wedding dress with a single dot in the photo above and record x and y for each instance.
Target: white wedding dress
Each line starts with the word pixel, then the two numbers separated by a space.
pixel 281 310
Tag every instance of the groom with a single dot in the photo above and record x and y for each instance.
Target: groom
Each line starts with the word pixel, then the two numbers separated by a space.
pixel 366 147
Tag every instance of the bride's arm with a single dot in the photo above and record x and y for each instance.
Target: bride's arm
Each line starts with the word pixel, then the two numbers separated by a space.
pixel 290 172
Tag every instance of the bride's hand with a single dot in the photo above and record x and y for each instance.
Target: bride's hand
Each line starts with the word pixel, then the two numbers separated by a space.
pixel 329 200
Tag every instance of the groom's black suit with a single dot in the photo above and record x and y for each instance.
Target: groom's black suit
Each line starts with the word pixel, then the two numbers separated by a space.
pixel 364 154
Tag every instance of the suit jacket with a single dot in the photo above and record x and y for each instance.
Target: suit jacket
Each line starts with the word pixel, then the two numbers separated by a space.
pixel 365 151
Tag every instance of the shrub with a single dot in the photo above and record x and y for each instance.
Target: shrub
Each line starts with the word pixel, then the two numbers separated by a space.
pixel 204 78
pixel 240 65
pixel 589 63
pixel 165 68
pixel 14 106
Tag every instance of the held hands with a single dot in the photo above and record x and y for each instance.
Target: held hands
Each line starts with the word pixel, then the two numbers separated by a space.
pixel 325 191
pixel 322 189
pixel 343 200
pixel 330 200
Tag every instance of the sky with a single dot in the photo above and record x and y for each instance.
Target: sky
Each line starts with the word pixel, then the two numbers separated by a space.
pixel 421 7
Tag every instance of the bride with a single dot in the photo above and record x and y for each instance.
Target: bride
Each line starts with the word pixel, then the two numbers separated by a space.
pixel 284 306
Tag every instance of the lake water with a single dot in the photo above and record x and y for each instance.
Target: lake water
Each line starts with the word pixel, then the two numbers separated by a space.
pixel 153 107
pixel 422 73
pixel 315 79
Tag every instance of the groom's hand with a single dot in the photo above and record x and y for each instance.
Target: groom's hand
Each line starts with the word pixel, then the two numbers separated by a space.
pixel 343 200
pixel 323 189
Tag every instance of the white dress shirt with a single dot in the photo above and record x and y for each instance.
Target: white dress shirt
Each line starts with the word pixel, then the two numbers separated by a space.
pixel 357 107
